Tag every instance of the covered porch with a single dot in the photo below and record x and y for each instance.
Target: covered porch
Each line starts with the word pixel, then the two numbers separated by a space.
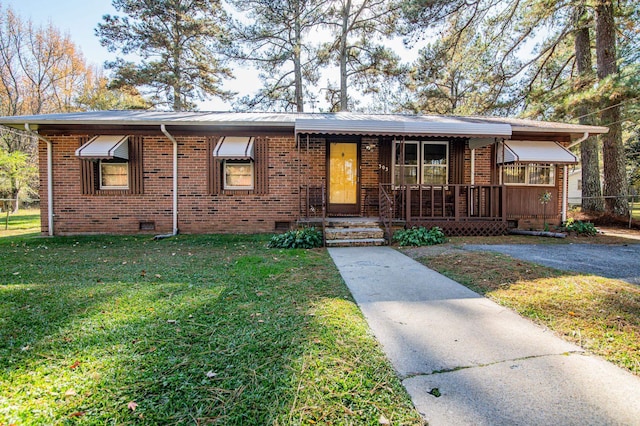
pixel 458 209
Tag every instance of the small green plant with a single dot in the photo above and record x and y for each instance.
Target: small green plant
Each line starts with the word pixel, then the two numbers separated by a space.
pixel 580 227
pixel 419 236
pixel 297 238
pixel 544 198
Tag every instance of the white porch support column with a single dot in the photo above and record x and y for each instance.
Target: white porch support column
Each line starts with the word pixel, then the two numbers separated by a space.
pixel 175 177
pixel 473 167
pixel 565 192
pixel 473 180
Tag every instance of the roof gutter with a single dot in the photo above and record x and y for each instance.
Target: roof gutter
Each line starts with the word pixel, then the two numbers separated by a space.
pixel 175 177
pixel 582 139
pixel 49 177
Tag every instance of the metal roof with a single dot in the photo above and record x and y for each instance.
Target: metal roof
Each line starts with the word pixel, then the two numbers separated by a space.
pixel 332 123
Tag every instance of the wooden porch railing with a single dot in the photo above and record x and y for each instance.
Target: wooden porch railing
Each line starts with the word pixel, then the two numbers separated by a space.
pixel 313 201
pixel 313 205
pixel 385 205
pixel 420 203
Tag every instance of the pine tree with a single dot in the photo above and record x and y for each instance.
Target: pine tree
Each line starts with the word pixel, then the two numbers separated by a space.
pixel 277 41
pixel 179 43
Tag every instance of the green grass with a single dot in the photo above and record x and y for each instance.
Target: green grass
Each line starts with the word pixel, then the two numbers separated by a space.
pixel 26 222
pixel 602 315
pixel 189 330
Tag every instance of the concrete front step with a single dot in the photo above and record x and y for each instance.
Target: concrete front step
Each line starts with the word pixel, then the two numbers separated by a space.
pixel 353 233
pixel 360 222
pixel 356 242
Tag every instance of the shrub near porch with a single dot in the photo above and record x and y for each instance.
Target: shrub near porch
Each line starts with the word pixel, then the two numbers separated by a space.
pixel 202 329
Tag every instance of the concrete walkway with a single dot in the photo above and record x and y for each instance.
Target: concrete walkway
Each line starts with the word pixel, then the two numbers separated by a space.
pixel 488 365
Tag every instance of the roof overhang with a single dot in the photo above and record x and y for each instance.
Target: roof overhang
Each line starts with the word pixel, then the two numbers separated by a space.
pixel 105 147
pixel 408 127
pixel 234 148
pixel 534 152
pixel 257 123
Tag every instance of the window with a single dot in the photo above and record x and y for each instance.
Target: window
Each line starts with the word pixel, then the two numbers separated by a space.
pixel 114 174
pixel 238 163
pixel 424 163
pixel 238 174
pixel 529 174
pixel 434 163
pixel 408 168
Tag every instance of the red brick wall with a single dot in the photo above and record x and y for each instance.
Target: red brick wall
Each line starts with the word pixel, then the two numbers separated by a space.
pixel 198 212
pixel 484 165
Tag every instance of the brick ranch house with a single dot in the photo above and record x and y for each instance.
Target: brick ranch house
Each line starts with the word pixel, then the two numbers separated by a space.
pixel 127 172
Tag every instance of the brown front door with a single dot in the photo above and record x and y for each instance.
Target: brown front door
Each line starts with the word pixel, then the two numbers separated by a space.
pixel 344 186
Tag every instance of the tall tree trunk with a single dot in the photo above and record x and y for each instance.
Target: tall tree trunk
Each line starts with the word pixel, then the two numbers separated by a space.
pixel 591 189
pixel 343 56
pixel 615 177
pixel 16 196
pixel 297 61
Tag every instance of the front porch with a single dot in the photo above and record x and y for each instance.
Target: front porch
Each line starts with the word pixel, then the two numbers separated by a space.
pixel 459 210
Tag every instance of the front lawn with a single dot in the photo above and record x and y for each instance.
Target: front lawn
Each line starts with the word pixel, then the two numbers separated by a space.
pixel 25 222
pixel 600 314
pixel 191 330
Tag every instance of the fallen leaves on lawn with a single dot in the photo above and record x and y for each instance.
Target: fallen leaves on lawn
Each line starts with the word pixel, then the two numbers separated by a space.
pixel 132 406
pixel 75 365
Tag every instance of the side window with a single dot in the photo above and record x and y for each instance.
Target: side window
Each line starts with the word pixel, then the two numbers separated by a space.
pixel 529 174
pixel 238 163
pixel 111 164
pixel 238 174
pixel 114 174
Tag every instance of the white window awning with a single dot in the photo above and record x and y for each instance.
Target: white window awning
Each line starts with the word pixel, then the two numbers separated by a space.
pixel 105 147
pixel 534 152
pixel 234 148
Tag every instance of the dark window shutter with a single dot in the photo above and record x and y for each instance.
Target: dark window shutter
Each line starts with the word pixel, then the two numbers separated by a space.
pixel 456 161
pixel 214 173
pixel 136 166
pixel 90 173
pixel 384 160
pixel 261 166
pixel 88 170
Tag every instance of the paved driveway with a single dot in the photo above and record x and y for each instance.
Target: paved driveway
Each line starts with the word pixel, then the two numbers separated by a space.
pixel 611 261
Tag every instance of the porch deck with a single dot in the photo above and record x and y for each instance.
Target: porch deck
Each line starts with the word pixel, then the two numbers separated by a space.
pixel 459 210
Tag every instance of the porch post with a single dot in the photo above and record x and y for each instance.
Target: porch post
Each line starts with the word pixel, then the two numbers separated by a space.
pixel 565 193
pixel 407 213
pixel 503 202
pixel 456 196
